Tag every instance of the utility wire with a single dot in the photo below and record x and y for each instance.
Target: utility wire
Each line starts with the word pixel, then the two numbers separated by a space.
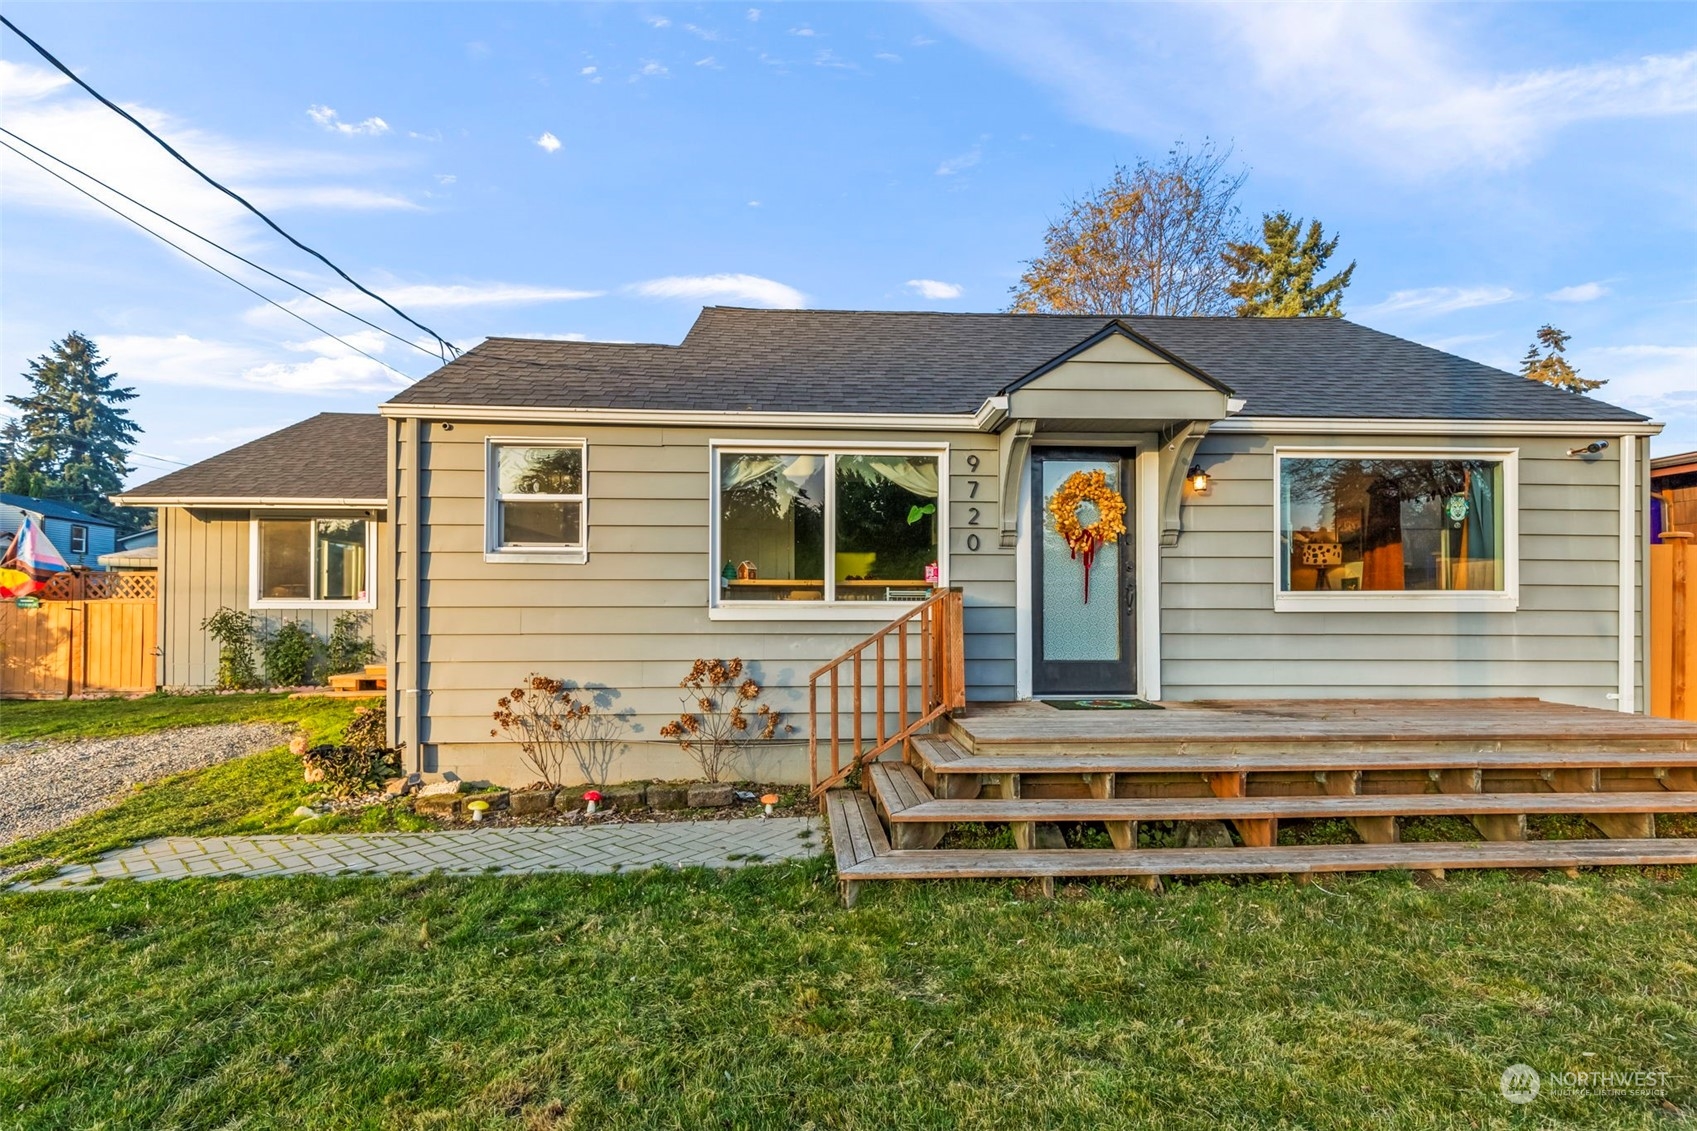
pixel 163 239
pixel 447 346
pixel 214 243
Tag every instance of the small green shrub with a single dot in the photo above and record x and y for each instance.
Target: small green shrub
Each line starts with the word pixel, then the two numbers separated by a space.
pixel 234 632
pixel 350 647
pixel 291 653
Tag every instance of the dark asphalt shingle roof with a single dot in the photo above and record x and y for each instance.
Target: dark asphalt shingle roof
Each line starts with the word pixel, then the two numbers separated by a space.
pixel 334 455
pixel 846 361
pixel 49 508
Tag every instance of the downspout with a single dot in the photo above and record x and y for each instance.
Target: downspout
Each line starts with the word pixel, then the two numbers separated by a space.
pixel 1626 661
pixel 412 694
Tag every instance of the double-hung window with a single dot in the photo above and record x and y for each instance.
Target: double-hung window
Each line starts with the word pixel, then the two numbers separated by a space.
pixel 842 527
pixel 300 562
pixel 79 539
pixel 537 501
pixel 1396 529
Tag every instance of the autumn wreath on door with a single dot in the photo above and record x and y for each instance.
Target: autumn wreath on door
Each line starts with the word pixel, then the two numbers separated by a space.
pixel 1090 489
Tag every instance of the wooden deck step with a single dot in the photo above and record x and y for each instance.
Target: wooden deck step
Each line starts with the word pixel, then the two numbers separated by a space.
pixel 857 838
pixel 943 755
pixel 944 864
pixel 1286 808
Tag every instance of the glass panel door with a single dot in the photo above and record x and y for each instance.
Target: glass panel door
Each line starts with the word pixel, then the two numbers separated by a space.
pixel 1081 638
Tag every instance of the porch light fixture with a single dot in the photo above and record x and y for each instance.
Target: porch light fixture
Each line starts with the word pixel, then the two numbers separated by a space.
pixel 1198 479
pixel 1591 449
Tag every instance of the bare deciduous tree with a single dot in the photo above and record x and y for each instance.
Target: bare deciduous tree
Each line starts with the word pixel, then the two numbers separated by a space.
pixel 1152 241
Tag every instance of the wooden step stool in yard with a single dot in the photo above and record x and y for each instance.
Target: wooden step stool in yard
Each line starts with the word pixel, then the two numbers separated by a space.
pixel 374 680
pixel 1492 770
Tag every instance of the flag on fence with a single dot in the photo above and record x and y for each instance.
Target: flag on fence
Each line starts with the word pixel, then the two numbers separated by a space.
pixel 29 562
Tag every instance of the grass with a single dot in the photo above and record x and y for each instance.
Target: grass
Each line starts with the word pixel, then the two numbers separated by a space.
pixel 245 795
pixel 752 1000
pixel 108 718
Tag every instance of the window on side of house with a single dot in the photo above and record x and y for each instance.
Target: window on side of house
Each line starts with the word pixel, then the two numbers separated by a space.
pixel 838 527
pixel 79 539
pixel 301 562
pixel 537 499
pixel 1382 526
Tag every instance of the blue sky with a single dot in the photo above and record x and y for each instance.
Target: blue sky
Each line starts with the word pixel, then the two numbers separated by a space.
pixel 604 170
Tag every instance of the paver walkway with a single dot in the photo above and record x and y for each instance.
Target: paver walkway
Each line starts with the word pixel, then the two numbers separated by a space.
pixel 508 852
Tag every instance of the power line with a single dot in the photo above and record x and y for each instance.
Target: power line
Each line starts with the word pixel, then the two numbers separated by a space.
pixel 214 243
pixel 231 193
pixel 115 210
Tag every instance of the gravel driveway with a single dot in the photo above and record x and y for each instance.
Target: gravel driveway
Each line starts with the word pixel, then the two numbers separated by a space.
pixel 44 785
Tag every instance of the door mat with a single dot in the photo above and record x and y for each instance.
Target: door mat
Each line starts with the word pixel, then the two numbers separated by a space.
pixel 1102 705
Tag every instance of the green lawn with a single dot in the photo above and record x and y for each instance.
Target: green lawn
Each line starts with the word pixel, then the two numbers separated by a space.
pixel 107 718
pixel 753 1000
pixel 246 795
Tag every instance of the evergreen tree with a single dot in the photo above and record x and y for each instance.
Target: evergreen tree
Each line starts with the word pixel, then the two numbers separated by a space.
pixel 1551 366
pixel 1278 278
pixel 73 434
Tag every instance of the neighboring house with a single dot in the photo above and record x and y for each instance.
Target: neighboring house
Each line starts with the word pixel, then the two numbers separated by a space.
pixel 1673 493
pixel 80 536
pixel 138 551
pixel 1316 509
pixel 289 527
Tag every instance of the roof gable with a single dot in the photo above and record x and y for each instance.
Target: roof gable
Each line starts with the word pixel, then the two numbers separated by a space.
pixel 334 457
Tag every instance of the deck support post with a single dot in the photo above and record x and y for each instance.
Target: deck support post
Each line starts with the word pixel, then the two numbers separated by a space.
pixel 1491 826
pixel 1122 833
pixel 849 890
pixel 1371 830
pixel 1677 779
pixel 1620 826
pixel 1257 832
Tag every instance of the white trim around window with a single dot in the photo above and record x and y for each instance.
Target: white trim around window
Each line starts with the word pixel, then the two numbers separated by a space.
pixel 829 609
pixel 495 549
pixel 255 601
pixel 1506 599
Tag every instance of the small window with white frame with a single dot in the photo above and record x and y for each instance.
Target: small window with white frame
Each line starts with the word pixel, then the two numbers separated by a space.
pixel 79 539
pixel 305 562
pixel 807 529
pixel 1396 529
pixel 537 500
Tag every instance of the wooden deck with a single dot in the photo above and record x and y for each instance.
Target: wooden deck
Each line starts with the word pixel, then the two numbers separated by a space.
pixel 1252 764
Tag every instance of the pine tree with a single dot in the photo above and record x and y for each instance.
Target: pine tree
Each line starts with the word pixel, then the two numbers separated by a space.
pixel 1277 278
pixel 73 437
pixel 1552 367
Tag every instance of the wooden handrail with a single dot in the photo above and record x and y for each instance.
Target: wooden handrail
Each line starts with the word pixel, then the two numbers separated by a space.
pixel 937 675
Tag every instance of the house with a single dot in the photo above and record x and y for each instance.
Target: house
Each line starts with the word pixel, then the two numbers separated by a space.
pixel 1314 510
pixel 290 527
pixel 79 536
pixel 135 552
pixel 1673 493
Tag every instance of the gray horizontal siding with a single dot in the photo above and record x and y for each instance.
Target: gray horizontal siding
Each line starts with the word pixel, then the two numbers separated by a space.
pixel 1222 639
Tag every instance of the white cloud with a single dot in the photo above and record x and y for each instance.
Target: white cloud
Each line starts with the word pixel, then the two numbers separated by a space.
pixel 454 295
pixel 445 178
pixel 804 32
pixel 754 204
pixel 588 71
pixel 709 62
pixel 1657 380
pixel 708 34
pixel 651 69
pixel 19 83
pixel 754 15
pixel 966 160
pixel 1425 301
pixel 184 360
pixel 330 120
pixel 1582 292
pixel 548 142
pixel 1404 86
pixel 729 288
pixel 91 137
pixel 888 57
pixel 657 21
pixel 934 288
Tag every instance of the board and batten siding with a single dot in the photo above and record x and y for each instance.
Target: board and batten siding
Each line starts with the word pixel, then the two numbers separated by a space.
pixel 1221 638
pixel 203 565
pixel 635 615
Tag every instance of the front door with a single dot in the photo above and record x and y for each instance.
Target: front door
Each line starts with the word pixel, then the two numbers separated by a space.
pixel 1080 644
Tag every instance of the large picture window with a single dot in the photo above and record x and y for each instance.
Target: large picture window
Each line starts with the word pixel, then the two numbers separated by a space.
pixel 301 562
pixel 536 500
pixel 1433 528
pixel 841 527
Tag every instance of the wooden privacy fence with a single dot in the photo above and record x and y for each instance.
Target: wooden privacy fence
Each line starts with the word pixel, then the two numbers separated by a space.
pixel 1673 642
pixel 63 648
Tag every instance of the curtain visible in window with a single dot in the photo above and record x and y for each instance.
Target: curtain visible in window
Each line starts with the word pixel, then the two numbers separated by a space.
pixel 916 475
